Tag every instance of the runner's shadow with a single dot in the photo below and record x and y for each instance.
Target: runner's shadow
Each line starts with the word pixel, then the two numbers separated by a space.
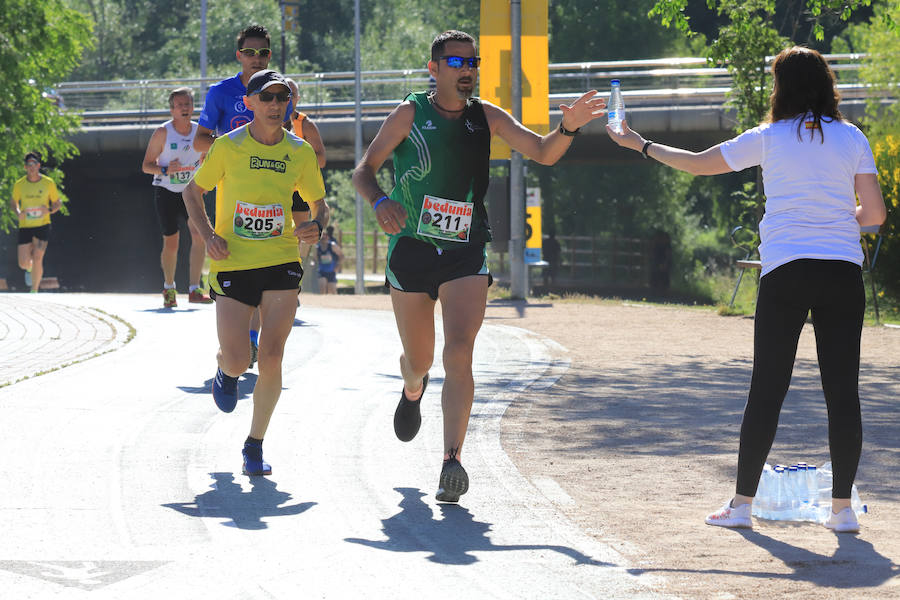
pixel 244 510
pixel 246 384
pixel 299 322
pixel 169 310
pixel 452 539
pixel 855 563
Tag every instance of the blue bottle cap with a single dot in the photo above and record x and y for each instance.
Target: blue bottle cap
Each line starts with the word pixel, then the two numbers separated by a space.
pixel 793 468
pixel 614 82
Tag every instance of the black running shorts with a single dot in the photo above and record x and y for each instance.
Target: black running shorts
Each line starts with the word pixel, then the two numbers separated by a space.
pixel 41 233
pixel 417 266
pixel 169 208
pixel 247 286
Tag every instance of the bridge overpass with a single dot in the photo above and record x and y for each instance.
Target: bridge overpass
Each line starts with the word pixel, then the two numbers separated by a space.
pixel 676 100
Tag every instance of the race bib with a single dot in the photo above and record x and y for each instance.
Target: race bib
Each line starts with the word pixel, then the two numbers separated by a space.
pixel 33 213
pixel 326 258
pixel 258 222
pixel 182 175
pixel 445 219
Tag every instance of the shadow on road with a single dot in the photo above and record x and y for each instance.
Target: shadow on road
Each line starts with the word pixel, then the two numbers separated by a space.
pixel 246 384
pixel 855 563
pixel 693 408
pixel 169 310
pixel 244 510
pixel 451 539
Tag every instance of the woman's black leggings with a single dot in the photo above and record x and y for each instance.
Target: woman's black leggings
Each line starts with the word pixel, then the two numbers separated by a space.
pixel 833 291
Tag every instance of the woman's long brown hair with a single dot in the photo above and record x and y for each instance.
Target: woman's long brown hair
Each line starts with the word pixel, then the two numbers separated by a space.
pixel 804 84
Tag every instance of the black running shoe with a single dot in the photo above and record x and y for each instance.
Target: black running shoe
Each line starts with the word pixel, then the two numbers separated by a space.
pixel 454 482
pixel 408 417
pixel 254 353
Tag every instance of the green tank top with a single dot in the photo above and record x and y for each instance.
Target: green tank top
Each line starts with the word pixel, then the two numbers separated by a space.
pixel 445 160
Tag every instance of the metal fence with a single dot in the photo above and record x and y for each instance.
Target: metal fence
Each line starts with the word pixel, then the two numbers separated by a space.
pixel 651 82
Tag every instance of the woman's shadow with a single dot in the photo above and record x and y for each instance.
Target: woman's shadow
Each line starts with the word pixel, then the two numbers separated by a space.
pixel 452 539
pixel 244 510
pixel 854 564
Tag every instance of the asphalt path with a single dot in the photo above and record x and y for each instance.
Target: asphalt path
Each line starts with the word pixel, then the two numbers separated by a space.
pixel 121 479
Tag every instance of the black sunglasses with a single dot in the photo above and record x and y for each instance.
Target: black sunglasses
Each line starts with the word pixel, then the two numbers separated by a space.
pixel 264 52
pixel 457 62
pixel 265 96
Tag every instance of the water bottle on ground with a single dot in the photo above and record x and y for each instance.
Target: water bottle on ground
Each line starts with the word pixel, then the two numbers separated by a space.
pixel 615 108
pixel 825 482
pixel 801 492
pixel 762 503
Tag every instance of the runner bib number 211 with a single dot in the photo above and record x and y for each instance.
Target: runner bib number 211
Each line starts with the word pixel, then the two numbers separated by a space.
pixel 445 219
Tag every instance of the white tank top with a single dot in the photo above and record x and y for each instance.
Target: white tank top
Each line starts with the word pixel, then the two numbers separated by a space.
pixel 181 147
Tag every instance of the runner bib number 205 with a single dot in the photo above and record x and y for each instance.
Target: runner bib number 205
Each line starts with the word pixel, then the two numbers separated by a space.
pixel 445 219
pixel 258 222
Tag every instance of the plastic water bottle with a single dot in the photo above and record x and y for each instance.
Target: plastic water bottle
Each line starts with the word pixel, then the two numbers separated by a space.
pixel 782 503
pixel 615 108
pixel 812 483
pixel 762 502
pixel 803 510
pixel 793 481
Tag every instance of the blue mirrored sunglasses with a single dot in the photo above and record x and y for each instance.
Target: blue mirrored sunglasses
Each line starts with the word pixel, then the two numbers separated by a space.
pixel 457 62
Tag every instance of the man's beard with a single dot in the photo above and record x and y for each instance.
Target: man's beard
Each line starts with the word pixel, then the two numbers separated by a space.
pixel 464 93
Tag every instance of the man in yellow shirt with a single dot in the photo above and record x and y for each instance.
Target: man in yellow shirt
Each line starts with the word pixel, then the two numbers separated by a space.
pixel 254 246
pixel 34 199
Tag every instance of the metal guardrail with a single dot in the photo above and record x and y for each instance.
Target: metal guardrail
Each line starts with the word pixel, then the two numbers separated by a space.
pixel 651 82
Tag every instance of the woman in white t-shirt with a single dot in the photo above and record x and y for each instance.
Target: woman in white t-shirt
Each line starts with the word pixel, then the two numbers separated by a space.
pixel 815 165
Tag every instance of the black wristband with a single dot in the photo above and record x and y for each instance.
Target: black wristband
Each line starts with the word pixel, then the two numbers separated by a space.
pixel 316 221
pixel 566 132
pixel 644 149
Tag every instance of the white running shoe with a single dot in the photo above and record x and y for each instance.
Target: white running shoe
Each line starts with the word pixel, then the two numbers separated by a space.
pixel 843 522
pixel 728 516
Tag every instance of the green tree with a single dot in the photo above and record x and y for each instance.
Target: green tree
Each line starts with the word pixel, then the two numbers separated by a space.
pixel 745 39
pixel 880 40
pixel 40 43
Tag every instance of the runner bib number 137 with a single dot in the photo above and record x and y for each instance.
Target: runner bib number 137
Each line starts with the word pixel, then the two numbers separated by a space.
pixel 445 219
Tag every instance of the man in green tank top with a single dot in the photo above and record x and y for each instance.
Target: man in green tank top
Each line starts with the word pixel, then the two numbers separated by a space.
pixel 438 227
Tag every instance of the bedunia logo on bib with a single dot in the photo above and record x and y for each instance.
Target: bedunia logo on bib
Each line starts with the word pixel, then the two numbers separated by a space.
pixel 278 166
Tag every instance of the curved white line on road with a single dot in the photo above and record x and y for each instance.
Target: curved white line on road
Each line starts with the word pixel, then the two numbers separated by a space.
pixel 139 474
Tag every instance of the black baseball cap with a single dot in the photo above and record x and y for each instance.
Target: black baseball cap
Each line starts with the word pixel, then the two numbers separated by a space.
pixel 264 79
pixel 33 155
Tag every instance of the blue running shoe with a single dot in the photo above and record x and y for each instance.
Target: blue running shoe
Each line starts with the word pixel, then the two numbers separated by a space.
pixel 225 391
pixel 253 460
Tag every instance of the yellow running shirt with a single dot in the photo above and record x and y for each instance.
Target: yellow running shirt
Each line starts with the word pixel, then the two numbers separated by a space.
pixel 31 196
pixel 254 188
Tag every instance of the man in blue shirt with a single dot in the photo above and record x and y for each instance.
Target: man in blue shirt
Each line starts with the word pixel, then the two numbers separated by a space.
pixel 223 109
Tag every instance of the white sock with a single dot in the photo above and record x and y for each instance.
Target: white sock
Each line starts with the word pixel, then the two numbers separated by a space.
pixel 193 287
pixel 169 286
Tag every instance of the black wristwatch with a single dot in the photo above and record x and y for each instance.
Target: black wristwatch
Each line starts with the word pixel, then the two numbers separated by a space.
pixel 316 221
pixel 565 131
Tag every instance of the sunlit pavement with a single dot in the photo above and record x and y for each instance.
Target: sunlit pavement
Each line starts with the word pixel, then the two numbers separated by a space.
pixel 121 479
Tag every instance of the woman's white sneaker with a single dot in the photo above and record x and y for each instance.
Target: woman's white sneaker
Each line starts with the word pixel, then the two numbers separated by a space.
pixel 843 521
pixel 729 516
